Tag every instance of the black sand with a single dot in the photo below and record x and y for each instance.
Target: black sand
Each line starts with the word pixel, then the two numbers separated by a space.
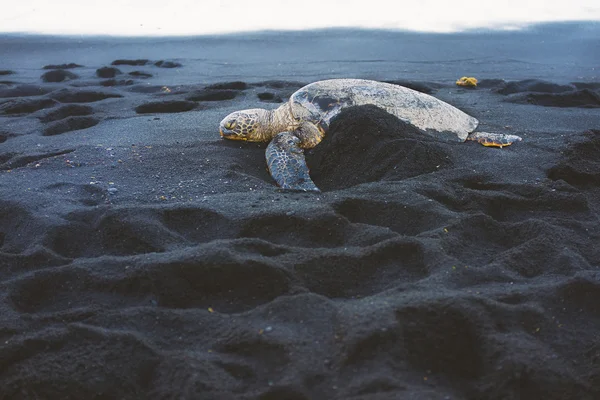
pixel 141 256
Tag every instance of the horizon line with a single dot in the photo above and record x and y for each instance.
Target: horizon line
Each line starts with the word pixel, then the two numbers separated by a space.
pixel 513 28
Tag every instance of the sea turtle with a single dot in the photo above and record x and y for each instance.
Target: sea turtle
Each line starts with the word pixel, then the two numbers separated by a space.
pixel 302 122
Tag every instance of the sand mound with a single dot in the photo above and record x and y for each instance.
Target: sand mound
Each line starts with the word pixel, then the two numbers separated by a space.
pixel 107 72
pixel 533 85
pixel 167 64
pixel 81 96
pixel 19 90
pixel 22 106
pixel 236 85
pixel 66 111
pixel 366 144
pixel 58 75
pixel 269 97
pixel 70 124
pixel 130 62
pixel 140 74
pixel 577 98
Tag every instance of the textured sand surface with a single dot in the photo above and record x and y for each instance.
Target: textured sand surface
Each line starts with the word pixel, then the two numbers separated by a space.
pixel 141 256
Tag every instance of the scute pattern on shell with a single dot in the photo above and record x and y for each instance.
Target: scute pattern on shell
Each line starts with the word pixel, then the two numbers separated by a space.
pixel 321 101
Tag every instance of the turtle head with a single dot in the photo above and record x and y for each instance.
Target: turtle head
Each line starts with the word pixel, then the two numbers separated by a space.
pixel 248 125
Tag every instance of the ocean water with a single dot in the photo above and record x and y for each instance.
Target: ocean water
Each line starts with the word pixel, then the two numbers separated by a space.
pixel 189 17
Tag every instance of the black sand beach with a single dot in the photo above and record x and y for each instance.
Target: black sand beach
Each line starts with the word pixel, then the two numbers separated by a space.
pixel 141 256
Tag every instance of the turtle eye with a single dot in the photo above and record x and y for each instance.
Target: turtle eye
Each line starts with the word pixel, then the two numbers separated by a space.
pixel 230 125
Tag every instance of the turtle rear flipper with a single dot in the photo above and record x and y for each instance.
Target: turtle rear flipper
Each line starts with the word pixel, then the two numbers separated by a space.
pixel 493 139
pixel 287 165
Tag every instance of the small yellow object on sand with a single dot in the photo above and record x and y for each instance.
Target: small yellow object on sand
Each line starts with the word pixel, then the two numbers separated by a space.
pixel 467 81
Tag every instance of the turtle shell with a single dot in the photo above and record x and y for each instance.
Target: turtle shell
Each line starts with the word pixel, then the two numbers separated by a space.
pixel 321 101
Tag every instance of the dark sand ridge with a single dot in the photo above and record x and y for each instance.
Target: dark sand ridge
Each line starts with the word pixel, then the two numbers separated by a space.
pixel 143 257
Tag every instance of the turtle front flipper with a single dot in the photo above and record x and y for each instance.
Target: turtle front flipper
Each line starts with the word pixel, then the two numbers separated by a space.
pixel 287 165
pixel 493 139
